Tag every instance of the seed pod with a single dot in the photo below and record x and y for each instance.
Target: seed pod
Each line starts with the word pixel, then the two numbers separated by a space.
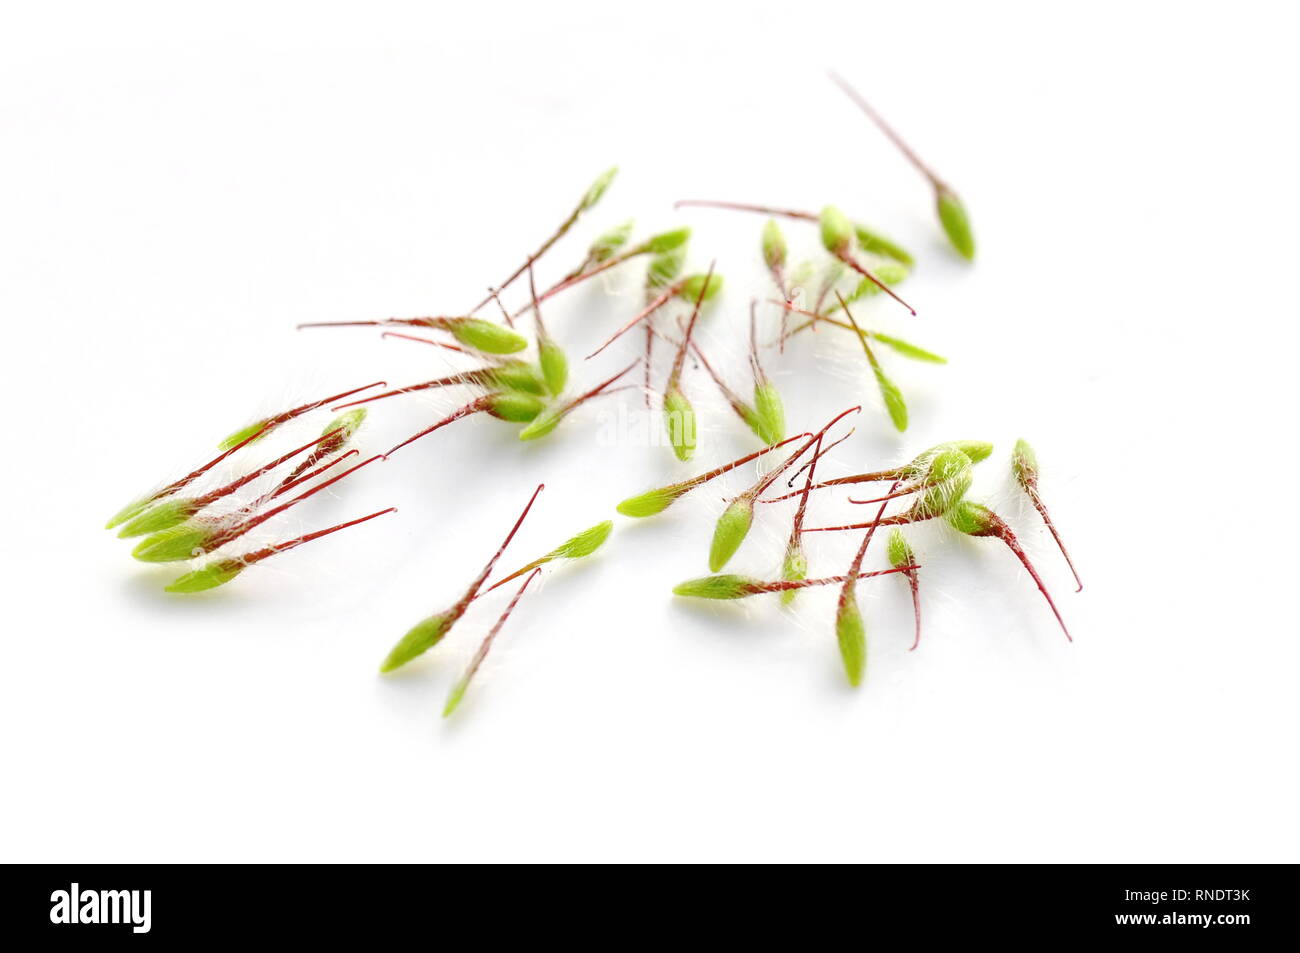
pixel 730 531
pixel 900 552
pixel 608 243
pixel 651 502
pixel 666 241
pixel 423 636
pixel 890 273
pixel 514 406
pixel 555 366
pixel 956 223
pixel 947 480
pixel 851 634
pixel 598 188
pixel 793 569
pixel 663 270
pixel 483 335
pixel 174 544
pixel 837 231
pixel 208 577
pixel 716 587
pixel 770 413
pixel 694 285
pixel 576 547
pixel 901 556
pixel 515 375
pixel 892 396
pixel 775 250
pixel 161 516
pixel 878 244
pixel 908 350
pixel 679 418
pixel 549 418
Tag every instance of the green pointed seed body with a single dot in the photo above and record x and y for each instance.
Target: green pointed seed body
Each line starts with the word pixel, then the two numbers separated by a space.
pixel 1024 463
pixel 880 245
pixel 597 189
pixel 515 407
pixel 908 350
pixel 694 286
pixel 542 424
pixel 775 250
pixel 663 270
pixel 891 273
pixel 679 418
pixel 973 519
pixel 793 569
pixel 956 223
pixel 608 243
pixel 769 413
pixel 518 376
pixel 950 474
pixel 837 231
pixel 667 241
pixel 651 502
pixel 127 512
pixel 893 398
pixel 454 697
pixel 975 450
pixel 716 587
pixel 733 527
pixel 242 434
pixel 555 366
pixel 161 516
pixel 422 637
pixel 173 545
pixel 209 577
pixel 585 543
pixel 900 551
pixel 851 633
pixel 485 336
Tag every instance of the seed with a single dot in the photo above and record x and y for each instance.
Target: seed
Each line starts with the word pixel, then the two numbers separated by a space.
pixel 1024 463
pixel 549 418
pixel 555 366
pixel 874 242
pixel 429 632
pixel 576 547
pixel 483 335
pixel 727 586
pixel 974 519
pixel 900 555
pixel 851 633
pixel 775 250
pixel 261 428
pixel 679 418
pixel 730 532
pixel 889 391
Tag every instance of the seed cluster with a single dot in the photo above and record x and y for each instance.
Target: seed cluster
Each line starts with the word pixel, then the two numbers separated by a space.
pixel 538 395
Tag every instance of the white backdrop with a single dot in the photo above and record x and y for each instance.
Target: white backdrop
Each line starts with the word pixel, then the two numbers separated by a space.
pixel 179 189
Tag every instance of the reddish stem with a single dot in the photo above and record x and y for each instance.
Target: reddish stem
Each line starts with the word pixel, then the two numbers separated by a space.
pixel 745 207
pixel 888 130
pixel 783 585
pixel 674 377
pixel 201 501
pixel 1034 498
pixel 663 298
pixel 473 407
pixel 260 554
pixel 486 645
pixel 998 528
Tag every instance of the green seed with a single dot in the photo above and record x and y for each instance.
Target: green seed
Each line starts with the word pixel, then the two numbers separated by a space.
pixel 666 241
pixel 852 636
pixel 679 417
pixel 893 397
pixel 949 477
pixel 880 245
pixel 555 366
pixel 127 512
pixel 172 545
pixel 607 244
pixel 162 516
pixel 716 587
pixel 956 223
pixel 900 552
pixel 733 527
pixel 239 436
pixel 975 450
pixel 542 424
pixel 515 407
pixel 837 231
pixel 209 577
pixel 650 503
pixel 890 273
pixel 774 246
pixel 598 188
pixel 973 519
pixel 424 636
pixel 769 414
pixel 663 271
pixel 1024 463
pixel 485 336
pixel 517 376
pixel 585 543
pixel 793 569
pixel 693 286
pixel 908 350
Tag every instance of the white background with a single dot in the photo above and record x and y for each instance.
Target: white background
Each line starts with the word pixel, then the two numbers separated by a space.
pixel 179 188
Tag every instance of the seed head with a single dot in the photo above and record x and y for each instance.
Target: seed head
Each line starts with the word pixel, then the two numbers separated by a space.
pixel 422 637
pixel 947 480
pixel 484 335
pixel 208 577
pixel 679 417
pixel 515 375
pixel 837 231
pixel 608 243
pixel 598 188
pixel 585 543
pixel 663 271
pixel 852 636
pixel 716 587
pixel 793 569
pixel 956 223
pixel 161 516
pixel 651 502
pixel 733 527
pixel 880 245
pixel 666 241
pixel 1024 463
pixel 174 544
pixel 694 285
pixel 900 551
pixel 514 406
pixel 769 413
pixel 244 433
pixel 555 366
pixel 775 250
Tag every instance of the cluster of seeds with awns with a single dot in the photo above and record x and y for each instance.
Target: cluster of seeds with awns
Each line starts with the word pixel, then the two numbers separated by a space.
pixel 502 360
